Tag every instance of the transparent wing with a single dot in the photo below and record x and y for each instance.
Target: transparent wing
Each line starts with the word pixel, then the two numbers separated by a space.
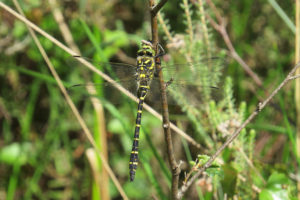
pixel 190 79
pixel 179 74
pixel 122 73
pixel 204 73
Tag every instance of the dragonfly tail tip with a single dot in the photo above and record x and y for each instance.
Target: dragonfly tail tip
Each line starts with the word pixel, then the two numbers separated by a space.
pixel 132 175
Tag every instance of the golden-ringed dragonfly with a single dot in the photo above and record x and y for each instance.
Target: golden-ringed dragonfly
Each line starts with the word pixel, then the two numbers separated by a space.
pixel 183 78
pixel 145 67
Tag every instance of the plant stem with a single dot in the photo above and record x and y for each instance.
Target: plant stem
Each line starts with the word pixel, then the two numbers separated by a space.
pixel 165 111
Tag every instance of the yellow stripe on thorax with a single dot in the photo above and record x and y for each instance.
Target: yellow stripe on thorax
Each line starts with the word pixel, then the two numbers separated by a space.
pixel 144 86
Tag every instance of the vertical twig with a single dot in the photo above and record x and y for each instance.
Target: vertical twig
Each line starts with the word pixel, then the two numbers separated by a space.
pixel 157 7
pixel 165 112
pixel 297 86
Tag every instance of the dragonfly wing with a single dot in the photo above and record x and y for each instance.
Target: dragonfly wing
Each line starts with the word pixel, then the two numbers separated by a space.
pixel 188 82
pixel 186 79
pixel 122 74
pixel 207 70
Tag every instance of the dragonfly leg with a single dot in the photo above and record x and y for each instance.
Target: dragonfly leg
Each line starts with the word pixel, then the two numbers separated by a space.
pixel 161 51
pixel 169 82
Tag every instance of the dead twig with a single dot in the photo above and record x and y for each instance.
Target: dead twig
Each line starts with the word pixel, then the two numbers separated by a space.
pixel 155 8
pixel 260 107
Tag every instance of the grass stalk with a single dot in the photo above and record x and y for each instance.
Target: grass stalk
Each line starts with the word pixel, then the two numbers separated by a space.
pixel 297 87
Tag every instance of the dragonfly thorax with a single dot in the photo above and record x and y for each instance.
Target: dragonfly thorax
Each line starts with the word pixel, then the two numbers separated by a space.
pixel 145 69
pixel 145 64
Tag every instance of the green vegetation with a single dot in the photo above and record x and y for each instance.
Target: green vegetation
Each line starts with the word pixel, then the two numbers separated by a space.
pixel 44 153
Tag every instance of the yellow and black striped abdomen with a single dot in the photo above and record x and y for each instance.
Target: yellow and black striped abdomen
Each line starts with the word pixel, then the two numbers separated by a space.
pixel 134 157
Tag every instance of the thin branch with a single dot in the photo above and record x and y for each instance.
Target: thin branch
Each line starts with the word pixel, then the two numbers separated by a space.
pixel 94 69
pixel 154 9
pixel 295 77
pixel 215 10
pixel 165 112
pixel 260 107
pixel 73 107
pixel 221 28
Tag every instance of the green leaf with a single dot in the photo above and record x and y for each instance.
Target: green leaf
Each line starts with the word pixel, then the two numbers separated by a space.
pixel 115 126
pixel 274 189
pixel 192 163
pixel 15 153
pixel 268 194
pixel 19 29
pixel 276 180
pixel 202 159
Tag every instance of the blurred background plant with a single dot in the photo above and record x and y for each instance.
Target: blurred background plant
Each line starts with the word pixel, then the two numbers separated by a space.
pixel 43 153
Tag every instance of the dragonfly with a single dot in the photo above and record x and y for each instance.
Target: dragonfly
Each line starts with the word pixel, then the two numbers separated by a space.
pixel 145 71
pixel 142 75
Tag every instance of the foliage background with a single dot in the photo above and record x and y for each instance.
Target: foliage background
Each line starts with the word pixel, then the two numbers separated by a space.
pixel 42 148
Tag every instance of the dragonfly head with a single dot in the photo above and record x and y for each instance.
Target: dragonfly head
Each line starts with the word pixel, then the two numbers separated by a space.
pixel 146 49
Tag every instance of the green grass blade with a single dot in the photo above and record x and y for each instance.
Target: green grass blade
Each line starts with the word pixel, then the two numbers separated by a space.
pixel 283 16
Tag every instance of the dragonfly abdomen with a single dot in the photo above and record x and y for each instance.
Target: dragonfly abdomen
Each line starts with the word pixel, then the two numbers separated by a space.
pixel 134 158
